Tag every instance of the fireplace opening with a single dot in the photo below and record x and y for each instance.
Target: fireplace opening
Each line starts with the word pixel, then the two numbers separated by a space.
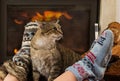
pixel 77 26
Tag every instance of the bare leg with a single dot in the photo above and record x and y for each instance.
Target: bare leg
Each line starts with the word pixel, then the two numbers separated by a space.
pixel 10 78
pixel 68 76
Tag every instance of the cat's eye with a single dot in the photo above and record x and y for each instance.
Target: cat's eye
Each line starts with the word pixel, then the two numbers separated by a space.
pixel 55 28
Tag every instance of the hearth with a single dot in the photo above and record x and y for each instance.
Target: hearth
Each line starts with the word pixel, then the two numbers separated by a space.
pixel 78 25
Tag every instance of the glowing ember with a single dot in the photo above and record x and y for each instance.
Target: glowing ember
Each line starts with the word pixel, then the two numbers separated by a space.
pixel 15 51
pixel 18 21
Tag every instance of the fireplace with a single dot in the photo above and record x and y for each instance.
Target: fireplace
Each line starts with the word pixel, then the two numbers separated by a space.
pixel 79 30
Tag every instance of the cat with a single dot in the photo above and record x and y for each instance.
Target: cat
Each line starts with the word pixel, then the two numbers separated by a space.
pixel 19 65
pixel 49 57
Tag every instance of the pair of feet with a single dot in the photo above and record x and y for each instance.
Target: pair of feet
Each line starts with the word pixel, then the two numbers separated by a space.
pixel 94 64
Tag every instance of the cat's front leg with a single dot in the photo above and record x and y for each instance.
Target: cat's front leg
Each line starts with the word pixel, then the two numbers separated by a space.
pixel 54 72
pixel 36 76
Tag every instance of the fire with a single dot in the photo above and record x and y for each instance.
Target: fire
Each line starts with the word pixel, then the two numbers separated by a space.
pixel 18 21
pixel 21 18
pixel 50 15
pixel 67 15
pixel 45 16
pixel 15 51
pixel 38 17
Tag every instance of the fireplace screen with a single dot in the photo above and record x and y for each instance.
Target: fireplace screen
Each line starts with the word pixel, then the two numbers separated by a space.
pixel 77 23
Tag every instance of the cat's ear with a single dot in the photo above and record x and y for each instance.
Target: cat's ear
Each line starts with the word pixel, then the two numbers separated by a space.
pixel 57 21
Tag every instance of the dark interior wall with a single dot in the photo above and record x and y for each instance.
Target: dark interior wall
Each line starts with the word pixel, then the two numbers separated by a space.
pixel 0 33
pixel 2 30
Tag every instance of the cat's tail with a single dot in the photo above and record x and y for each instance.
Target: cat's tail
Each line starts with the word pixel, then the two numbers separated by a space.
pixel 68 56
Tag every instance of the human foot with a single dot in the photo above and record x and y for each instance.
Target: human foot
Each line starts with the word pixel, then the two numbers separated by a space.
pixel 94 64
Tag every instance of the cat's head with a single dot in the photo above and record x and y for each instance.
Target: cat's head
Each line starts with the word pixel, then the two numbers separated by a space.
pixel 52 30
pixel 115 28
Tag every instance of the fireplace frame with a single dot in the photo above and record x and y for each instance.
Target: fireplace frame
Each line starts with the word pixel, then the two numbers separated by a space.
pixel 93 5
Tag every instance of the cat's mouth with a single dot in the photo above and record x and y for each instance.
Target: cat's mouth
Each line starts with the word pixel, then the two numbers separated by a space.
pixel 59 37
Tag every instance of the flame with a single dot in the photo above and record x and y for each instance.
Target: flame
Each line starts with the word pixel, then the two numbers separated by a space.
pixel 46 16
pixel 50 15
pixel 67 15
pixel 38 17
pixel 15 51
pixel 58 14
pixel 18 21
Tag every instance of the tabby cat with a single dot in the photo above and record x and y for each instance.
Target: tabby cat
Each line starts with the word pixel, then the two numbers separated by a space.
pixel 20 66
pixel 49 58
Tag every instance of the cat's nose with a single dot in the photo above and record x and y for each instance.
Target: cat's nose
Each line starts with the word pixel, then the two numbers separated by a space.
pixel 60 36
